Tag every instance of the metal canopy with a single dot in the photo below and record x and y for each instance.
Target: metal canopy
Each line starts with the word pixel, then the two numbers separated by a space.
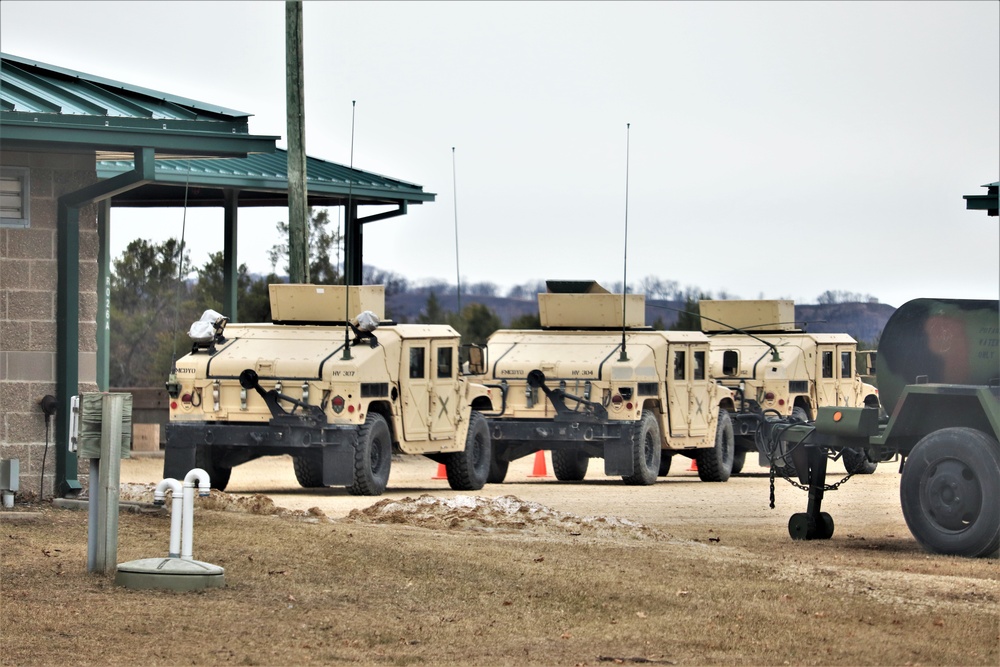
pixel 261 180
pixel 53 109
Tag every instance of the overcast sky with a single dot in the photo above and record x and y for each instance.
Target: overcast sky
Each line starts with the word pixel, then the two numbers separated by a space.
pixel 776 150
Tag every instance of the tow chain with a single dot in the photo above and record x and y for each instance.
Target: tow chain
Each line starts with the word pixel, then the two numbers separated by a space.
pixel 825 487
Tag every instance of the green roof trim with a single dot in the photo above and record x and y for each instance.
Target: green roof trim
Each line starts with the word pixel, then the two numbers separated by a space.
pixel 262 180
pixel 53 108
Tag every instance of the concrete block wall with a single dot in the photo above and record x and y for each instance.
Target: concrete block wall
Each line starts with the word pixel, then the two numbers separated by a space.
pixel 28 280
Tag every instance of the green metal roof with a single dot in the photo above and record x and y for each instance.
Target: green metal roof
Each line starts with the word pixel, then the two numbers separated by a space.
pixel 44 107
pixel 987 202
pixel 262 180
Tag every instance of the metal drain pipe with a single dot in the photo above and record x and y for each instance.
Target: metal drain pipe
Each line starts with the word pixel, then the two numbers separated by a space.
pixel 187 523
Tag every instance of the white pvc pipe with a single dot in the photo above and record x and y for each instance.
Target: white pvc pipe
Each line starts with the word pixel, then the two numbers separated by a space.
pixel 176 511
pixel 187 525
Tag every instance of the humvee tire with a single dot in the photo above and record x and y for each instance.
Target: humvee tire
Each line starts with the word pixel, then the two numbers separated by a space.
pixel 498 469
pixel 372 457
pixel 570 465
pixel 716 464
pixel 308 472
pixel 665 459
pixel 218 475
pixel 469 469
pixel 646 452
pixel 857 463
pixel 739 459
pixel 948 492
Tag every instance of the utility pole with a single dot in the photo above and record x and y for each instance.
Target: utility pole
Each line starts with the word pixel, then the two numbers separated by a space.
pixel 298 209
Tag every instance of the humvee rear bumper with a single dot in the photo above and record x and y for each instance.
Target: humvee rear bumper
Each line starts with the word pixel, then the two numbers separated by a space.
pixel 228 445
pixel 610 440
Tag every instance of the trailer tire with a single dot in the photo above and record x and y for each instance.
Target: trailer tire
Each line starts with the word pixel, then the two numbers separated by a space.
pixel 716 464
pixel 949 491
pixel 218 475
pixel 739 460
pixel 570 465
pixel 665 460
pixel 646 452
pixel 308 471
pixel 372 457
pixel 856 462
pixel 469 469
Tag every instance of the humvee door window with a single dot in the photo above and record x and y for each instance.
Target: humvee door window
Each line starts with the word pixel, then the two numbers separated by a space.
pixel 828 364
pixel 680 368
pixel 417 362
pixel 699 365
pixel 444 362
pixel 845 364
pixel 730 362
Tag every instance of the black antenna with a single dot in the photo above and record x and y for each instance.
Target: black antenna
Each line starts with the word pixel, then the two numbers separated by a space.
pixel 458 273
pixel 347 286
pixel 172 384
pixel 623 356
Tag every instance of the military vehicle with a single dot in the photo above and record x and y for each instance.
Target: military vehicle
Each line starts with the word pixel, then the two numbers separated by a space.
pixel 938 376
pixel 336 396
pixel 776 368
pixel 595 382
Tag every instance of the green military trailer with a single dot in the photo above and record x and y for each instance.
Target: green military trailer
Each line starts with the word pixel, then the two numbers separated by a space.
pixel 939 384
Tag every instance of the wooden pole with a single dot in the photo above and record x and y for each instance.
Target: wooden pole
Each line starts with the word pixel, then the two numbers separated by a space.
pixel 112 409
pixel 298 210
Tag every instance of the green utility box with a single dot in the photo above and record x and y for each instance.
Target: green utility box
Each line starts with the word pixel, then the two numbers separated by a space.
pixel 91 423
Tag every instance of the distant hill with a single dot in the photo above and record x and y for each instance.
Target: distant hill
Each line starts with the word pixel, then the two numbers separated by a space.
pixel 862 321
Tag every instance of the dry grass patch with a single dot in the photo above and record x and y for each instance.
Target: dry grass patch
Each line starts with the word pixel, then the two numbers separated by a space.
pixel 484 582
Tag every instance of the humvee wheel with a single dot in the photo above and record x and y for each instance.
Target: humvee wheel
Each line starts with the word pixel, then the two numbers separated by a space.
pixel 570 465
pixel 469 469
pixel 498 469
pixel 716 464
pixel 308 471
pixel 218 475
pixel 803 527
pixel 948 492
pixel 665 460
pixel 856 462
pixel 739 459
pixel 372 457
pixel 646 452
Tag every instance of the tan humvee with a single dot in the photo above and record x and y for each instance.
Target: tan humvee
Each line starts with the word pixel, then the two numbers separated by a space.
pixel 774 368
pixel 337 398
pixel 595 382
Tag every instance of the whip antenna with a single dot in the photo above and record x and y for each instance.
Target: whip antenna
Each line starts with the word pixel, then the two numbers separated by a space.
pixel 458 273
pixel 347 287
pixel 624 356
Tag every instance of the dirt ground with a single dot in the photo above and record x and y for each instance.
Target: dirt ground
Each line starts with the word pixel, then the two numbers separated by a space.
pixel 532 571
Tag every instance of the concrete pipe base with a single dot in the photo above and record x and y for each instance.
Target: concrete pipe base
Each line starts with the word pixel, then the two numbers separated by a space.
pixel 175 574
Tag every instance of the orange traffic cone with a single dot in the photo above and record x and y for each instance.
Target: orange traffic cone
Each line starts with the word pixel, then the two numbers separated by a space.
pixel 694 466
pixel 539 469
pixel 442 472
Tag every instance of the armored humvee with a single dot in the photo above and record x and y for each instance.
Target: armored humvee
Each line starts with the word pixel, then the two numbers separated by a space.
pixel 337 396
pixel 595 382
pixel 775 368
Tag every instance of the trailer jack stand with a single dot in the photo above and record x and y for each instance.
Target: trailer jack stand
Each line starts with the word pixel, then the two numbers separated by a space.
pixel 813 524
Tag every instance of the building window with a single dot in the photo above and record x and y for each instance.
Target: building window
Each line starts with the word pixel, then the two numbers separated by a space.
pixel 15 199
